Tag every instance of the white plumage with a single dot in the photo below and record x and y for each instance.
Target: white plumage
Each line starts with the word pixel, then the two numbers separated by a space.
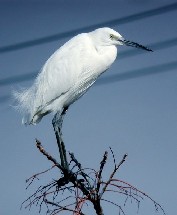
pixel 69 72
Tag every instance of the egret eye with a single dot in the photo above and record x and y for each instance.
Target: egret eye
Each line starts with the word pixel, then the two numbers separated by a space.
pixel 111 36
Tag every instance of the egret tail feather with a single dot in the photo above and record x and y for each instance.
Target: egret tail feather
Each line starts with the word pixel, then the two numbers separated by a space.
pixel 24 100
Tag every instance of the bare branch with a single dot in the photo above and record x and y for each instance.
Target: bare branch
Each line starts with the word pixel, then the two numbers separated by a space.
pixel 113 173
pixel 102 163
pixel 76 186
pixel 120 208
pixel 49 157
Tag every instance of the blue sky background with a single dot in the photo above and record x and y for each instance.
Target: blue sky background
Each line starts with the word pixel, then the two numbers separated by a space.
pixel 134 112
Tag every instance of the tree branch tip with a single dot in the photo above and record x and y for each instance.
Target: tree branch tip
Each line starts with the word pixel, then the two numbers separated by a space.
pixel 105 153
pixel 110 149
pixel 125 156
pixel 37 142
pixel 71 153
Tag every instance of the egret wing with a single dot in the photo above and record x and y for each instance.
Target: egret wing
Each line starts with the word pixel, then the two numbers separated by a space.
pixel 60 72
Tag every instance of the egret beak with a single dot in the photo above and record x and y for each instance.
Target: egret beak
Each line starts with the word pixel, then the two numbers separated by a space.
pixel 133 44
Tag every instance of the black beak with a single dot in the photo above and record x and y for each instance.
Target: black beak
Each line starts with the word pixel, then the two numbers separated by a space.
pixel 136 45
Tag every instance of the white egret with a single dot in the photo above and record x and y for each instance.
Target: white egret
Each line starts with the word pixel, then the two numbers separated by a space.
pixel 69 73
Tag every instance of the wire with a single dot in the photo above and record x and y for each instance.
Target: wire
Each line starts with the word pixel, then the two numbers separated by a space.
pixel 17 79
pixel 137 73
pixel 166 67
pixel 29 76
pixel 122 76
pixel 123 20
pixel 156 46
pixel 4 99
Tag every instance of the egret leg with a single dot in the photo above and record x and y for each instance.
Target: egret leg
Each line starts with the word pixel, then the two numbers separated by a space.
pixel 57 125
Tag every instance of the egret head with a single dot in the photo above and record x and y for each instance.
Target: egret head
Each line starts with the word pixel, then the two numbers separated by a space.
pixel 107 36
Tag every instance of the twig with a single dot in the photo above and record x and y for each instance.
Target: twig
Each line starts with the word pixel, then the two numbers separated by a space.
pixel 113 203
pixel 69 175
pixel 113 173
pixel 76 180
pixel 31 179
pixel 113 157
pixel 62 207
pixel 102 163
pixel 49 157
pixel 82 173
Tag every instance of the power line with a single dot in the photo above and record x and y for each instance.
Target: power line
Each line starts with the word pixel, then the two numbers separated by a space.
pixel 4 99
pixel 29 76
pixel 123 20
pixel 17 79
pixel 137 73
pixel 152 70
pixel 156 46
